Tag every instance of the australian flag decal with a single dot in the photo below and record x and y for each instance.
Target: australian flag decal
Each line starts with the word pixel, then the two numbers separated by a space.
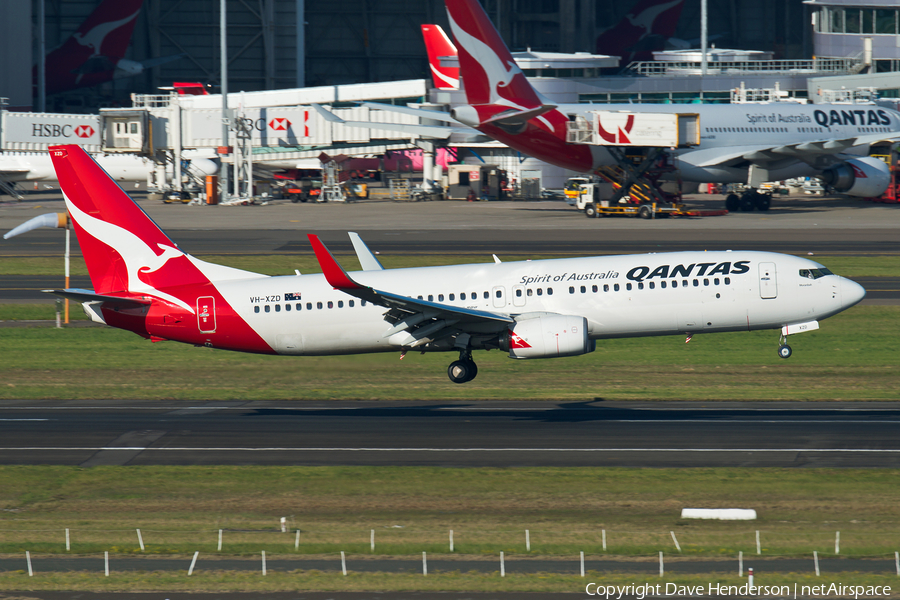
pixel 291 296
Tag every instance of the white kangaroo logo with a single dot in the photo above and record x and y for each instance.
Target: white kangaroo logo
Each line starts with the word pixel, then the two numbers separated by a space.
pixel 648 16
pixel 94 38
pixel 498 73
pixel 138 256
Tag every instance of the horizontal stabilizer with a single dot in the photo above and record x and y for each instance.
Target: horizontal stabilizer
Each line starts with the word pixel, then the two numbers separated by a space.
pixel 79 295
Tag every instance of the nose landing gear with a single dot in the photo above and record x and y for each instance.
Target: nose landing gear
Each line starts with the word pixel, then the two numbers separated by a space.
pixel 464 369
pixel 784 351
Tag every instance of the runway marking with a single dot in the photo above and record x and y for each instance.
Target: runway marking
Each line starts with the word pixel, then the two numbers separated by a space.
pixel 339 449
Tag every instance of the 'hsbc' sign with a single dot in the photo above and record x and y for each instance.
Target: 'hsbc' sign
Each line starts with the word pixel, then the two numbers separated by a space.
pixel 37 131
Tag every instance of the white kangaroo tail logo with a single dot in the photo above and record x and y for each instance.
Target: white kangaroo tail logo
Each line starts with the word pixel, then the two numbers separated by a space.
pixel 498 73
pixel 648 16
pixel 138 256
pixel 94 38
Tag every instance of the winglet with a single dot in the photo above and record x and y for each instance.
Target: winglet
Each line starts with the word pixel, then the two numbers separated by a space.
pixel 334 273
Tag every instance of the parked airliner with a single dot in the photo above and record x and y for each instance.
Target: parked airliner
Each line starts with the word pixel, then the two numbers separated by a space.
pixel 739 143
pixel 533 309
pixel 749 143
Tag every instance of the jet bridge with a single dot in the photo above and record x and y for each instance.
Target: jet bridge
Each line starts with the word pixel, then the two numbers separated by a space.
pixel 276 126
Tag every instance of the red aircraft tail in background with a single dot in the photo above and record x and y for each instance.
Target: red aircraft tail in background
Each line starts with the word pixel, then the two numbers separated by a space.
pixel 437 44
pixel 644 30
pixel 95 53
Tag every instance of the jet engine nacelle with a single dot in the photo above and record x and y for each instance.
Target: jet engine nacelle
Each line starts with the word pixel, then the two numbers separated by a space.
pixel 547 335
pixel 203 166
pixel 466 114
pixel 864 177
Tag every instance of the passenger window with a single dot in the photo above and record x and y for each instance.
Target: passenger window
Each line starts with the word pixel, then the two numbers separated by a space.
pixel 499 293
pixel 299 306
pixel 319 305
pixel 452 297
pixel 350 304
pixel 674 283
pixel 330 304
pixel 549 291
pixel 662 284
pixel 571 289
pixel 728 281
pixel 541 291
pixel 309 306
pixel 706 282
pixel 487 295
pixel 287 307
pixel 628 286
pixel 652 285
pixel 616 287
pixel 696 283
pixel 716 281
pixel 583 289
pixel 419 297
pixel 529 292
pixel 277 308
pixel 363 303
pixel 605 287
pixel 594 288
pixel 518 293
pixel 340 304
pixel 268 308
pixel 440 297
pixel 640 285
pixel 256 309
pixel 430 298
pixel 462 296
pixel 684 283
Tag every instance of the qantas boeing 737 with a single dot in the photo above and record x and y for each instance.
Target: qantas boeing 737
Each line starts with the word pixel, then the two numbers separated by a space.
pixel 534 309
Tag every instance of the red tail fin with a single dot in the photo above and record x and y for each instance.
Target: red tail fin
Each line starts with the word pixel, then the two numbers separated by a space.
pixel 89 55
pixel 644 29
pixel 489 73
pixel 124 249
pixel 437 44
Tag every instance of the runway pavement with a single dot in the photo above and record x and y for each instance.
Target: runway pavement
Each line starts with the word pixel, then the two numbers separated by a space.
pixel 462 434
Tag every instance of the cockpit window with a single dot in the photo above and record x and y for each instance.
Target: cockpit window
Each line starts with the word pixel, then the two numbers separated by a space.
pixel 814 273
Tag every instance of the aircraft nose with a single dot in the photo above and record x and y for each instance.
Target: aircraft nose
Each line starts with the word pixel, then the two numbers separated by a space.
pixel 851 292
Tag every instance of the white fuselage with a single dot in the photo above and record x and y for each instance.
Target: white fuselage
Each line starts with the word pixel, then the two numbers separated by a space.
pixel 738 129
pixel 620 296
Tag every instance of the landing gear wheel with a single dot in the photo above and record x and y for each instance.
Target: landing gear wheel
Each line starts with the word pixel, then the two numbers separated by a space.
pixel 785 351
pixel 732 203
pixel 461 371
pixel 645 212
pixel 590 211
pixel 762 202
pixel 747 201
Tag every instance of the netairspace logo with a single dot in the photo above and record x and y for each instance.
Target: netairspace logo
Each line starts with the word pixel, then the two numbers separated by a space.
pixel 643 590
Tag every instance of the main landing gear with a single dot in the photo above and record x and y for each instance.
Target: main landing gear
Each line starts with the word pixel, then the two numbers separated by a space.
pixel 746 202
pixel 464 369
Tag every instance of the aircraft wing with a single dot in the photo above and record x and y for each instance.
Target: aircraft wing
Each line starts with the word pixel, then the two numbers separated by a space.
pixel 422 321
pixel 416 112
pixel 426 131
pixel 760 154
